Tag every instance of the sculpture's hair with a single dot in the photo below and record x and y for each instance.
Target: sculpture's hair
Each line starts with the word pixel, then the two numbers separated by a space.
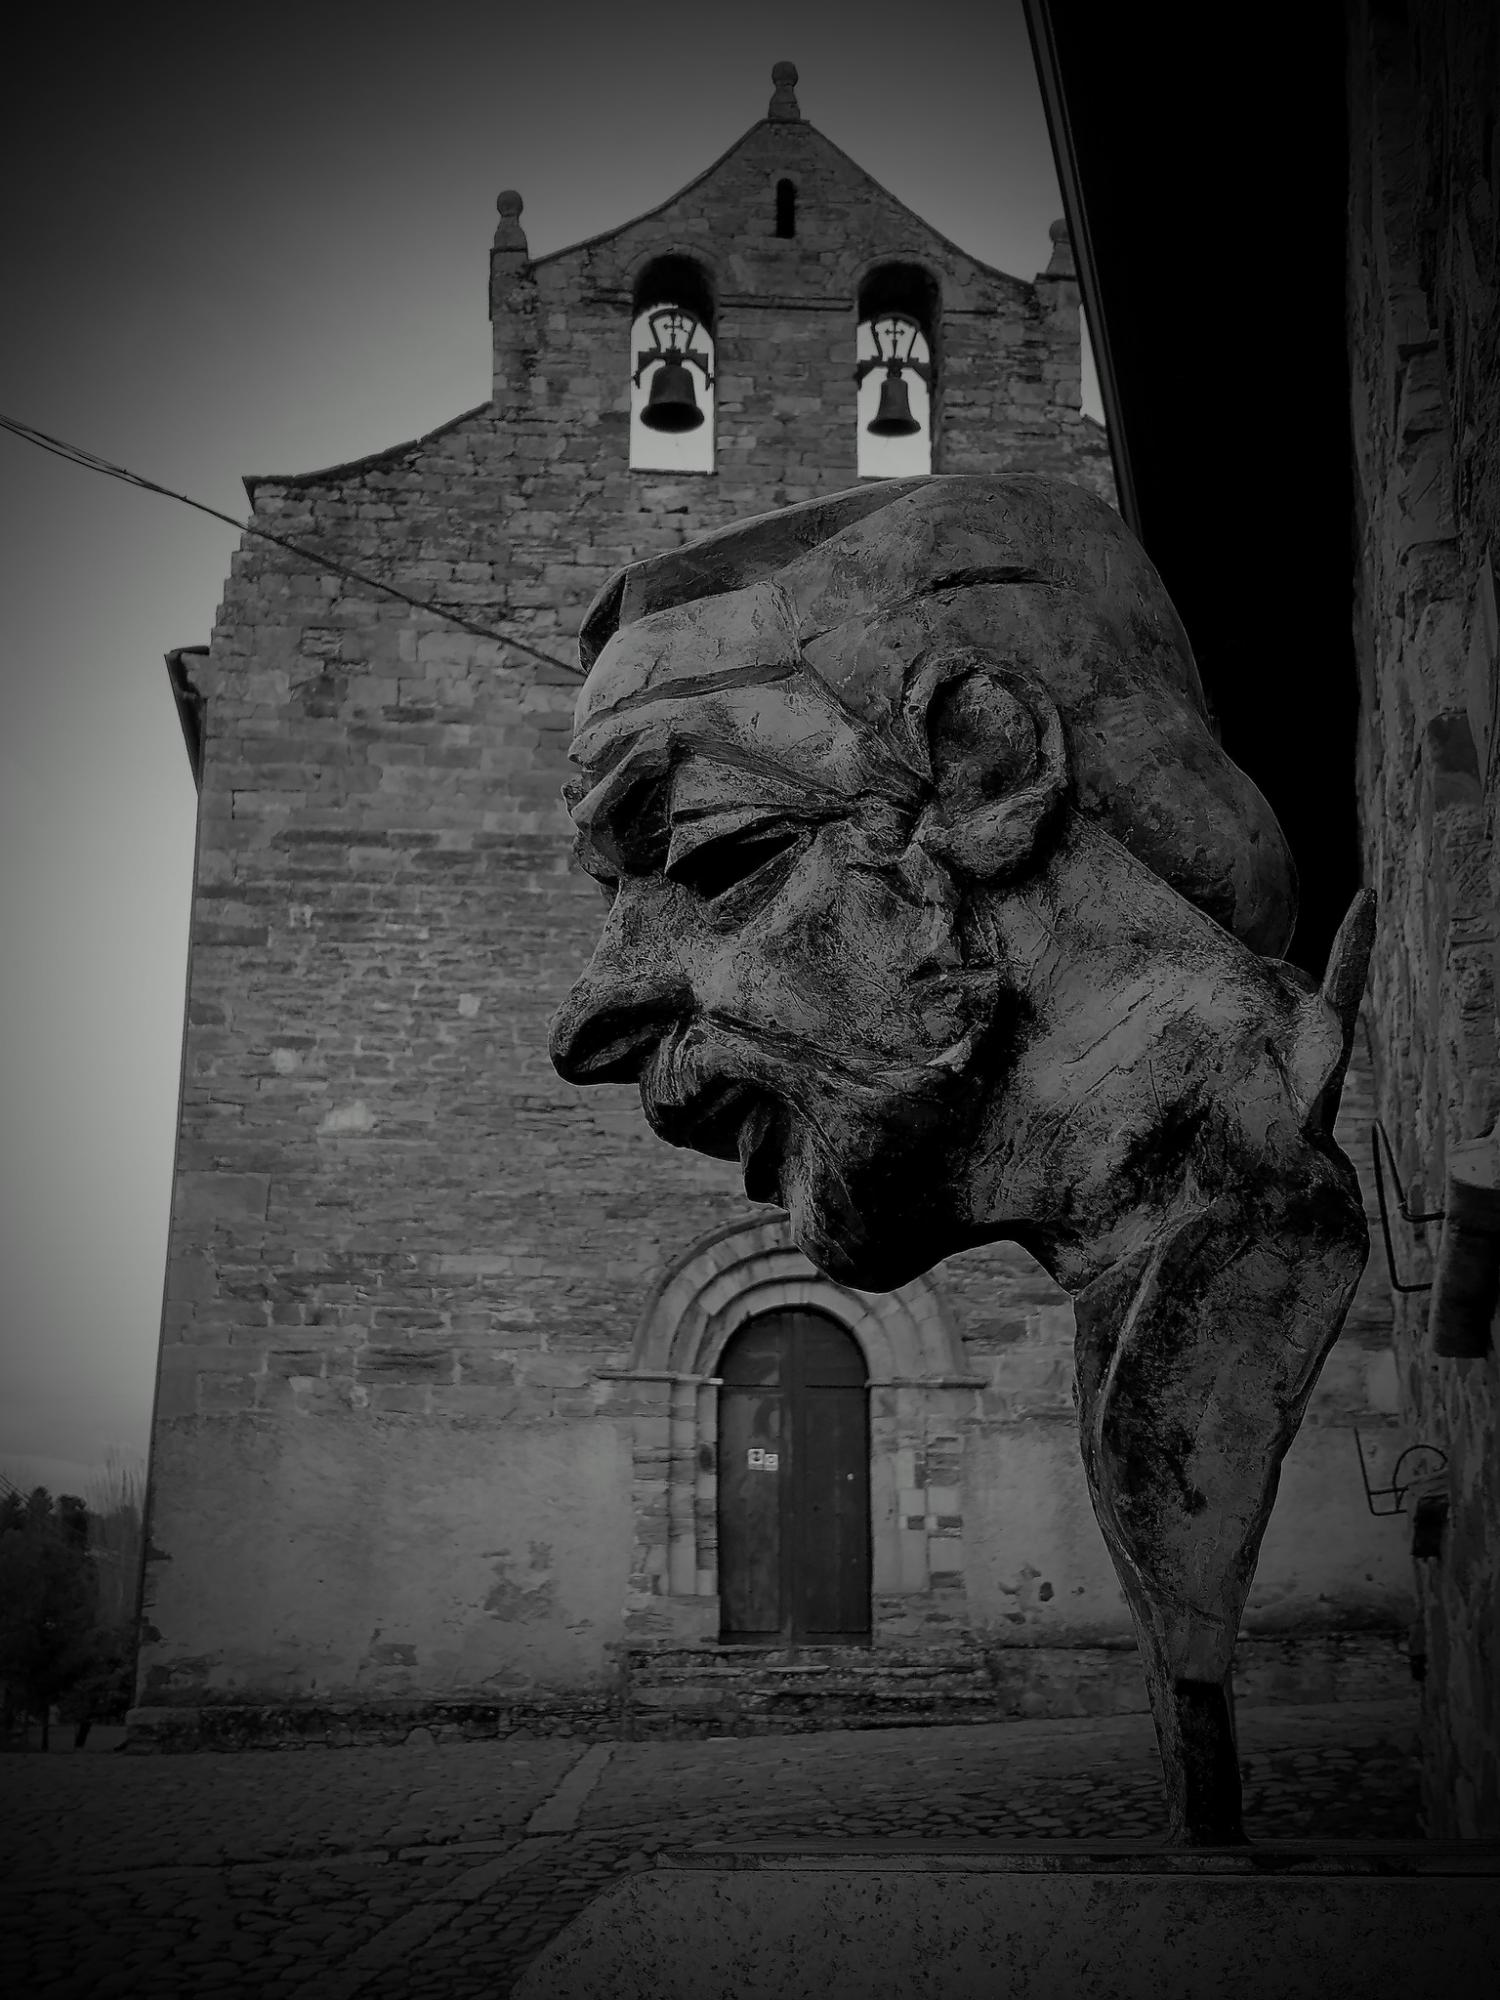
pixel 1032 572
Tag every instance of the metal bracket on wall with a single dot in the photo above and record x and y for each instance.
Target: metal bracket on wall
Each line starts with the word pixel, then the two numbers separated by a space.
pixel 1416 1217
pixel 1399 1487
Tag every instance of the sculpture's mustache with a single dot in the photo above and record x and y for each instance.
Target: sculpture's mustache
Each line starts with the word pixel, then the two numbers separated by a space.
pixel 702 1082
pixel 737 1090
pixel 715 1053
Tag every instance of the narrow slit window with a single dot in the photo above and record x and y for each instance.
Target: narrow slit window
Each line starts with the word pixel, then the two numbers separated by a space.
pixel 786 208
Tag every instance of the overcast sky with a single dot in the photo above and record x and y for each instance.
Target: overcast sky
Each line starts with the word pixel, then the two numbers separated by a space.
pixel 263 247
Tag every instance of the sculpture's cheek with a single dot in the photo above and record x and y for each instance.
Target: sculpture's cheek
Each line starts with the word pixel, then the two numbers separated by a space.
pixel 826 960
pixel 853 958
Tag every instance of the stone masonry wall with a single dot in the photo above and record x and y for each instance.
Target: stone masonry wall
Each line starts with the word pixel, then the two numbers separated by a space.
pixel 1424 307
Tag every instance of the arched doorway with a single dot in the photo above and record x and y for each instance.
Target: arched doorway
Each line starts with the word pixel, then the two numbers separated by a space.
pixel 794 1483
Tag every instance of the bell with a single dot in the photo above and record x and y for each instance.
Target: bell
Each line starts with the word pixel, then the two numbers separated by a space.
pixel 893 419
pixel 672 405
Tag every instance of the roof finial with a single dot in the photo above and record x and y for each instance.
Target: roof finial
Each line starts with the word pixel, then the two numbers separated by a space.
pixel 509 235
pixel 784 103
pixel 1061 265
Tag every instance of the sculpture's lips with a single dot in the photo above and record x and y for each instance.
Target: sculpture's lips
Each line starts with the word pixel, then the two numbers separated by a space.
pixel 709 1121
pixel 760 1152
pixel 729 1120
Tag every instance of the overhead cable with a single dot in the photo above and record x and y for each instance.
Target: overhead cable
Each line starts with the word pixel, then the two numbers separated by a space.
pixel 76 454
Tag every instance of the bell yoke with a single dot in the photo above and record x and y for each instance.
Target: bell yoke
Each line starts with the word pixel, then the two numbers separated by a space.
pixel 935 903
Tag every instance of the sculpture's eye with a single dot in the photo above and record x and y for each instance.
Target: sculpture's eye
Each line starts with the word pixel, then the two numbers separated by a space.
pixel 715 867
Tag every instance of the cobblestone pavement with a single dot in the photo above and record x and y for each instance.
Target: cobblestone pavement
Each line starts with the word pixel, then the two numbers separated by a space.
pixel 436 1872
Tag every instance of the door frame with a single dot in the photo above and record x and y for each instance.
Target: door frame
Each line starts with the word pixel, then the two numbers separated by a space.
pixel 794 1488
pixel 664 1402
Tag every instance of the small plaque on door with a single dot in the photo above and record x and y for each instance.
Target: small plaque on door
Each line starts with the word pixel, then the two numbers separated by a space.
pixel 761 1460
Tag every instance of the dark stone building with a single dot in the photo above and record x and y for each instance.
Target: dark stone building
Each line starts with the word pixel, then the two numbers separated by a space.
pixel 1358 680
pixel 449 1348
pixel 1424 322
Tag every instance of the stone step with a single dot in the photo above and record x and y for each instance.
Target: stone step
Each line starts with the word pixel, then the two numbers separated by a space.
pixel 748 1690
pixel 716 1689
pixel 873 1671
pixel 683 1712
pixel 817 1662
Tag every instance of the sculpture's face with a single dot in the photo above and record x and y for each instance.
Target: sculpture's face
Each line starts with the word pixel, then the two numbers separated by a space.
pixel 833 808
pixel 782 968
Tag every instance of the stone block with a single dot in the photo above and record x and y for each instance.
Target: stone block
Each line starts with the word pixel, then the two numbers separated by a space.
pixel 220 1199
pixel 191 1279
pixel 394 1399
pixel 485 1366
pixel 474 1399
pixel 221 1393
pixel 176 1384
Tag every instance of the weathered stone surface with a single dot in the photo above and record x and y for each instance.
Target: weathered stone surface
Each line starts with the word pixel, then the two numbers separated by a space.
pixel 934 902
pixel 1424 302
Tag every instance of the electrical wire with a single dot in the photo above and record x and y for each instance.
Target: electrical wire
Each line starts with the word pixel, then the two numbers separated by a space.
pixel 76 454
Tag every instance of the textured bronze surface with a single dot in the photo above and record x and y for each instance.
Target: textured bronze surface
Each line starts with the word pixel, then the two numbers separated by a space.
pixel 934 901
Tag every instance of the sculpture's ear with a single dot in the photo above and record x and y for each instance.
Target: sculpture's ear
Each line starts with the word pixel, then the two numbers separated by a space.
pixel 998 759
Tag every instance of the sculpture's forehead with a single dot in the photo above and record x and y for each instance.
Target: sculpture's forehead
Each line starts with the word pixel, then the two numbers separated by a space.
pixel 805 666
pixel 852 610
pixel 740 640
pixel 722 673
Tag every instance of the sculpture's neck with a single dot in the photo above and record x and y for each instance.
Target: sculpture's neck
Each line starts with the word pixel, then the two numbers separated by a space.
pixel 1162 1057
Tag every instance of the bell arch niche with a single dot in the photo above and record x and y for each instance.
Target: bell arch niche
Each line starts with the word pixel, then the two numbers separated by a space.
pixel 672 368
pixel 895 368
pixel 922 1399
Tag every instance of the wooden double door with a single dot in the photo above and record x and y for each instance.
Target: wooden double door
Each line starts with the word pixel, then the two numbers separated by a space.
pixel 794 1483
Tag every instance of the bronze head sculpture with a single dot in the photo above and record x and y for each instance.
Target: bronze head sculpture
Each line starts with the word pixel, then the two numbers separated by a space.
pixel 935 902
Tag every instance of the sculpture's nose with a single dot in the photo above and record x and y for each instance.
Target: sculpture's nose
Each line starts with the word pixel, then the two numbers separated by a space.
pixel 609 1025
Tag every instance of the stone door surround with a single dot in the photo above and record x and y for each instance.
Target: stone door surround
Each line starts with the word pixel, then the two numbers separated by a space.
pixel 670 1390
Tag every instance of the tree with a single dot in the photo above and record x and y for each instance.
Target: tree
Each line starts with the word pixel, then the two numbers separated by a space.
pixel 48 1602
pixel 69 1588
pixel 116 1508
pixel 102 1692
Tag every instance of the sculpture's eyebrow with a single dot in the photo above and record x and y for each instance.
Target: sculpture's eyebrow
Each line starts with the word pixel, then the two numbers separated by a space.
pixel 710 778
pixel 622 819
pixel 687 686
pixel 979 574
pixel 635 832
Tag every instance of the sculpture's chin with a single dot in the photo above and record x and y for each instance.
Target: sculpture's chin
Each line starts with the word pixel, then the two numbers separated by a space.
pixel 865 1259
pixel 862 1266
pixel 860 1226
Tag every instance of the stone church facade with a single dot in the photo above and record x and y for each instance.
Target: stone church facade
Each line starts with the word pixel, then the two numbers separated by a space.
pixel 447 1344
